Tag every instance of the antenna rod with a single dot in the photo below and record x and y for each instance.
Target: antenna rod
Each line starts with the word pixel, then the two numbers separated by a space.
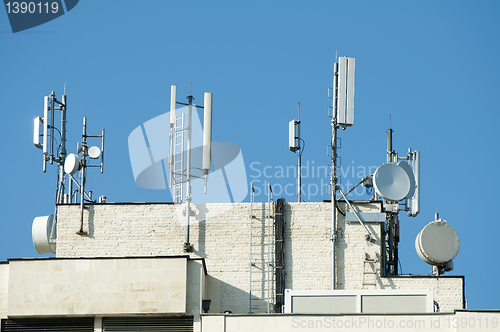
pixel 299 153
pixel 389 142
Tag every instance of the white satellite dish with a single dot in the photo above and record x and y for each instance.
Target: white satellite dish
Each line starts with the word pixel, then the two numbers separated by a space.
pixel 404 165
pixel 391 182
pixel 78 148
pixel 94 152
pixel 71 164
pixel 437 243
pixel 41 230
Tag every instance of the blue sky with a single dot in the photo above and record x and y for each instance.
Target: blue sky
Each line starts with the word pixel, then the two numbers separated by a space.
pixel 432 64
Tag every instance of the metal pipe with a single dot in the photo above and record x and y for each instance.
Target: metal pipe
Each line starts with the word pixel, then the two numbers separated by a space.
pixel 370 237
pixel 299 155
pixel 389 146
pixel 187 245
pixel 252 193
pixel 333 177
pixel 82 184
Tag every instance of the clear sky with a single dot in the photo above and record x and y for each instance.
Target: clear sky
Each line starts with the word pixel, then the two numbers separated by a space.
pixel 432 64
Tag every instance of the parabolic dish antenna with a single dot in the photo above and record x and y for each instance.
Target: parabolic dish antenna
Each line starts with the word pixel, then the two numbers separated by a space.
pixel 392 182
pixel 94 152
pixel 41 229
pixel 437 243
pixel 71 164
pixel 404 165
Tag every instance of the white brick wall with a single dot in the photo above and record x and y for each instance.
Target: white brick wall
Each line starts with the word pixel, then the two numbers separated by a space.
pixel 221 234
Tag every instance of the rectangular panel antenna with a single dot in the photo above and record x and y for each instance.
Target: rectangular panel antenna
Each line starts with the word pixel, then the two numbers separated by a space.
pixel 36 132
pixel 173 92
pixel 415 201
pixel 345 92
pixel 45 129
pixel 291 136
pixel 207 132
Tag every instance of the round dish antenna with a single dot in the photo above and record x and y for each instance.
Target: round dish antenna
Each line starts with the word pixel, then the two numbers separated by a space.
pixel 407 168
pixel 41 231
pixel 437 243
pixel 94 152
pixel 392 182
pixel 78 148
pixel 72 164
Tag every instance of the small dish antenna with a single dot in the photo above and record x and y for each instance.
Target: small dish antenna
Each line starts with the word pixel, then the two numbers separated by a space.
pixel 79 148
pixel 42 231
pixel 392 182
pixel 94 152
pixel 437 244
pixel 72 164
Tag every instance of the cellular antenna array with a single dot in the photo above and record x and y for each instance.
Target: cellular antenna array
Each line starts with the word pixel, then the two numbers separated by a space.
pixel 180 159
pixel 44 228
pixel 342 115
pixel 294 141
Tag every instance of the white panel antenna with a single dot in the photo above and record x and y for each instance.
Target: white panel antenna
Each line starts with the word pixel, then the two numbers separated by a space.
pixel 36 132
pixel 291 136
pixel 345 93
pixel 173 92
pixel 207 132
pixel 415 201
pixel 45 130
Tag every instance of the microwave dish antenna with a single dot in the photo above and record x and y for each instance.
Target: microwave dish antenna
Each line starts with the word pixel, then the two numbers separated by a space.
pixel 392 182
pixel 72 164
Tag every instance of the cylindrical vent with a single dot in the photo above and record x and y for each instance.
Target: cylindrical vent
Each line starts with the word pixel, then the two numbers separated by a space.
pixel 173 92
pixel 437 243
pixel 207 132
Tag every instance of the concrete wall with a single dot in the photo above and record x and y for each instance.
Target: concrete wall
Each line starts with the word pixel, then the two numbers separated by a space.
pixel 220 233
pixel 81 287
pixel 4 289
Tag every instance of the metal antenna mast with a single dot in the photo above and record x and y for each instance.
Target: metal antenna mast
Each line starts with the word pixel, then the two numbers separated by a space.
pixel 299 155
pixel 294 141
pixel 342 115
pixel 180 175
pixel 333 175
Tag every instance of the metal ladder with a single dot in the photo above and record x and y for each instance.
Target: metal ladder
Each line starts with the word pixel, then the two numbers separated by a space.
pixel 261 266
pixel 178 158
pixel 369 272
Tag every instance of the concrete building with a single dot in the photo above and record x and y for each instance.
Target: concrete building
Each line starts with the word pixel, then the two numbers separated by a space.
pixel 129 272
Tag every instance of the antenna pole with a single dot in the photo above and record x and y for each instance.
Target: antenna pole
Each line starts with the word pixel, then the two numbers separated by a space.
pixel 52 97
pixel 299 153
pixel 187 245
pixel 83 166
pixel 333 176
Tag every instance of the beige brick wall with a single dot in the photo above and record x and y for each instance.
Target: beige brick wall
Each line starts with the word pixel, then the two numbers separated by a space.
pixel 46 287
pixel 4 289
pixel 221 234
